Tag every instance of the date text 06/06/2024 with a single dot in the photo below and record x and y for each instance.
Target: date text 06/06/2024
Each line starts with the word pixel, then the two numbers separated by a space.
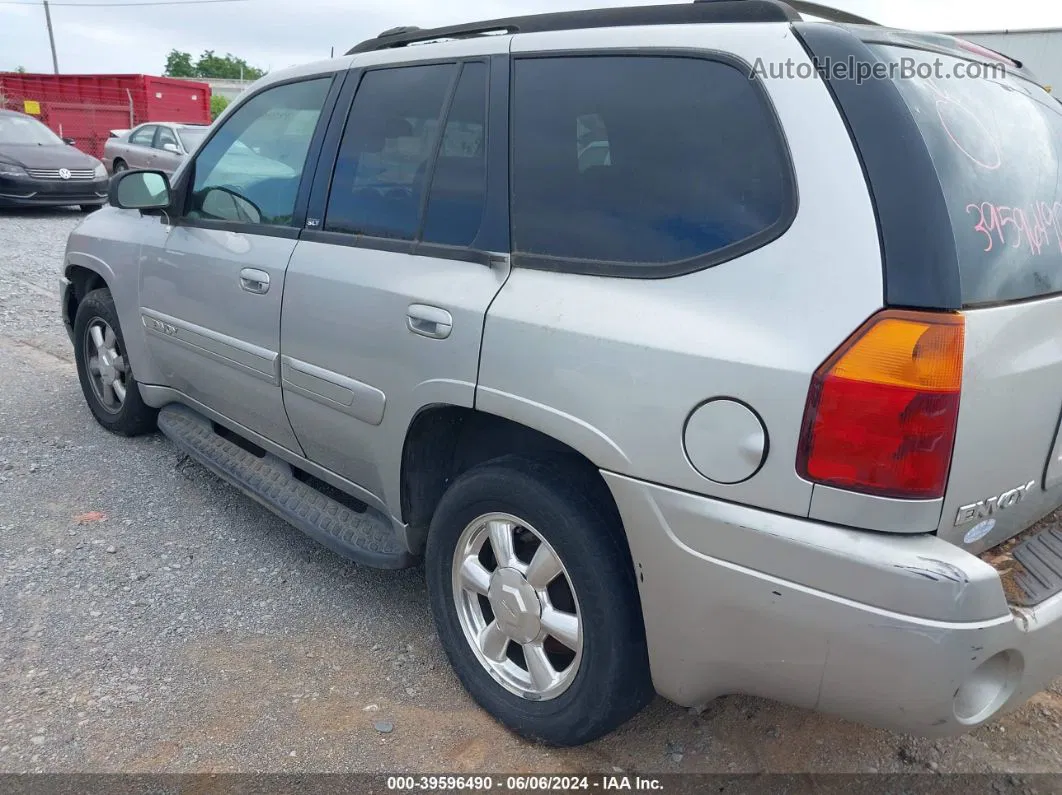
pixel 522 783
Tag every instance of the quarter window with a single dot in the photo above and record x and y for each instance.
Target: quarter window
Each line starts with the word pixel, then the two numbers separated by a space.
pixel 250 170
pixel 390 138
pixel 626 162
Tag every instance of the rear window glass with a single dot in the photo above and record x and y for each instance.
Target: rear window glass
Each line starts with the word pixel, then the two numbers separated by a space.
pixel 995 141
pixel 628 164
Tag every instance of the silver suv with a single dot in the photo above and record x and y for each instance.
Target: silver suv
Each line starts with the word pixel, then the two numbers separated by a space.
pixel 701 349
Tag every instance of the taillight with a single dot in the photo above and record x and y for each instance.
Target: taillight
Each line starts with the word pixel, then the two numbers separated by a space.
pixel 881 413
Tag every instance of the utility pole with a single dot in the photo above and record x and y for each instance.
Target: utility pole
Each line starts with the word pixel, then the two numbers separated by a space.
pixel 51 36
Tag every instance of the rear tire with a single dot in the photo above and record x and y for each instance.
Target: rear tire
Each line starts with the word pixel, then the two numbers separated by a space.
pixel 106 377
pixel 523 676
pixel 119 165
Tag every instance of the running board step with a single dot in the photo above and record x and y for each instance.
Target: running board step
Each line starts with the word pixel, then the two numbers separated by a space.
pixel 1038 575
pixel 367 538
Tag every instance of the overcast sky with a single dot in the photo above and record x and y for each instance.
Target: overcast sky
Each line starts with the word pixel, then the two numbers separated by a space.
pixel 278 33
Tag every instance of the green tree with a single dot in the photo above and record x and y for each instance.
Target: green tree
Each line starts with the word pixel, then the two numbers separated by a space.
pixel 20 70
pixel 218 104
pixel 227 67
pixel 210 64
pixel 179 64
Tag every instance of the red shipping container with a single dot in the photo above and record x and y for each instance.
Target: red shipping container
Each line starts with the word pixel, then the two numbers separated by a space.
pixel 87 107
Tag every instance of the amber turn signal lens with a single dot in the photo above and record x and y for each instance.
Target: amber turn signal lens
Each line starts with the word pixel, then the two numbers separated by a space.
pixel 906 349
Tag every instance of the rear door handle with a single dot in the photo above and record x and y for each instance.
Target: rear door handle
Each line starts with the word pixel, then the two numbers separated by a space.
pixel 429 321
pixel 254 281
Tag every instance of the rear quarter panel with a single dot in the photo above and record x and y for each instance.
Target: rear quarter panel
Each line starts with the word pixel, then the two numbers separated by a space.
pixel 113 148
pixel 614 367
pixel 1008 421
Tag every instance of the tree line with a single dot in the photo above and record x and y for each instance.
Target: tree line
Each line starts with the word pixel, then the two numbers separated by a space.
pixel 210 64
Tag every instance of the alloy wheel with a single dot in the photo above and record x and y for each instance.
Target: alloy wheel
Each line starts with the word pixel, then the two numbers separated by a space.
pixel 517 607
pixel 107 367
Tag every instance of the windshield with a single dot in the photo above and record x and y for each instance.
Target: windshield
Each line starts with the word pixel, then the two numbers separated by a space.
pixel 996 144
pixel 191 137
pixel 26 131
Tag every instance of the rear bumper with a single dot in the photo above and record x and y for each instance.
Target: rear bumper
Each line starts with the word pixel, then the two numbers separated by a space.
pixel 908 633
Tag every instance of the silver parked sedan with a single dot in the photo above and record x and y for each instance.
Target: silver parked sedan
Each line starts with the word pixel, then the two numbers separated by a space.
pixel 159 145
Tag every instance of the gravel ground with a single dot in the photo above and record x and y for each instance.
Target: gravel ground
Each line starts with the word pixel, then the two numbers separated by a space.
pixel 154 620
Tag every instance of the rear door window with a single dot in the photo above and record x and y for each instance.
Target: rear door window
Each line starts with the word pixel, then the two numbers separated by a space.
pixel 995 141
pixel 382 169
pixel 643 165
pixel 143 136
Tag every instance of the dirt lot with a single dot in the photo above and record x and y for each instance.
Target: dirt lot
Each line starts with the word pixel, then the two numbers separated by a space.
pixel 154 620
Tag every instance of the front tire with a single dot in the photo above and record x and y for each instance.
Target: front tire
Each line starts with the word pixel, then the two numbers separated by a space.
pixel 103 368
pixel 535 602
pixel 119 165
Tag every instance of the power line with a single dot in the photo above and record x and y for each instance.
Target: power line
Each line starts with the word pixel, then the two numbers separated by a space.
pixel 120 5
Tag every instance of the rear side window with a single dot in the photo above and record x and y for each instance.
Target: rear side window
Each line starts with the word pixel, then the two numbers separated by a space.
pixel 995 142
pixel 388 144
pixel 632 165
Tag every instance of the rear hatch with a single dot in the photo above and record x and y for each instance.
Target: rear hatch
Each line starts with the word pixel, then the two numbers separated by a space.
pixel 995 140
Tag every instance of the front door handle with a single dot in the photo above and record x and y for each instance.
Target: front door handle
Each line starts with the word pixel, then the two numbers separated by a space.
pixel 429 321
pixel 254 281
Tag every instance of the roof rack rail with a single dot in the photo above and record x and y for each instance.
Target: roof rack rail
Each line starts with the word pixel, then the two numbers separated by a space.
pixel 698 11
pixel 688 13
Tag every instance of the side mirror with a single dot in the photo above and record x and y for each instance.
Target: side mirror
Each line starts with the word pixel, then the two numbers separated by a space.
pixel 140 190
pixel 171 148
pixel 70 142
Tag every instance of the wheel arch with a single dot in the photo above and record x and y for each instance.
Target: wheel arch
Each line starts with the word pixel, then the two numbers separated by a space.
pixel 443 441
pixel 85 276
